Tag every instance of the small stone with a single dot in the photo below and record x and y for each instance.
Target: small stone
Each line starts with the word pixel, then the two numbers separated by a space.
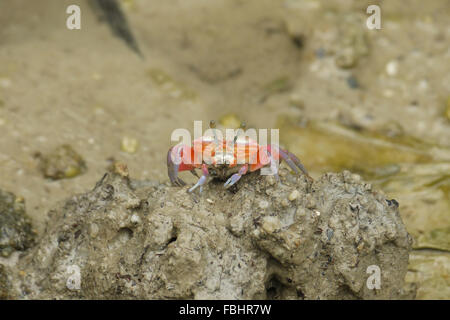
pixel 346 58
pixel 293 195
pixel 129 145
pixel 271 224
pixel 285 203
pixel 135 219
pixel 423 85
pixel 62 163
pixel 119 168
pixel 230 120
pixel 93 230
pixel 5 82
pixel 356 178
pixel 237 225
pixel 271 180
pixel 263 204
pixel 187 204
pixel 310 202
pixel 392 68
pixel 210 200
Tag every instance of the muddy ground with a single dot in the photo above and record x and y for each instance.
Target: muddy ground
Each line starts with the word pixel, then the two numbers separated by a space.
pixel 258 59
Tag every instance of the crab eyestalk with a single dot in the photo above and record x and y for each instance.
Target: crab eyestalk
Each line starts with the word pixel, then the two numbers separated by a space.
pixel 212 125
pixel 241 127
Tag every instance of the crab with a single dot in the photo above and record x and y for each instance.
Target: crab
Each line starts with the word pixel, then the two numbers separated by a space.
pixel 227 160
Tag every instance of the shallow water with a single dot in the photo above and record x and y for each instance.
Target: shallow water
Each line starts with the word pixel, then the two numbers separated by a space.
pixel 372 101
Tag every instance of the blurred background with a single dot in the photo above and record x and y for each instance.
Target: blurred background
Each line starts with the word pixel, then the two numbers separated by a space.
pixel 375 102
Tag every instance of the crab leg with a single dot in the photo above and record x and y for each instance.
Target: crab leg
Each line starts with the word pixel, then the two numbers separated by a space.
pixel 202 179
pixel 235 177
pixel 195 173
pixel 293 162
pixel 172 167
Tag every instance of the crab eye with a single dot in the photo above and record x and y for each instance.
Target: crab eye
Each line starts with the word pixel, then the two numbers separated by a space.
pixel 212 124
pixel 243 125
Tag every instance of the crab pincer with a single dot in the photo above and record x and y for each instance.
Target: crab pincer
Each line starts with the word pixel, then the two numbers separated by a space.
pixel 173 165
pixel 235 177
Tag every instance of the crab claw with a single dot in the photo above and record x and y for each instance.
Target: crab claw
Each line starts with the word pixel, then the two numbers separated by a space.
pixel 297 163
pixel 235 177
pixel 202 179
pixel 173 165
pixel 292 161
pixel 232 180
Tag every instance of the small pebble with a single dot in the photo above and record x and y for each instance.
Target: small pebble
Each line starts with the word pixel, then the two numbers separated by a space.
pixel 210 200
pixel 392 68
pixel 135 219
pixel 422 85
pixel 294 195
pixel 129 145
pixel 230 120
pixel 355 178
pixel 93 230
pixel 310 202
pixel 5 83
pixel 271 224
pixel 263 204
pixel 271 180
pixel 187 204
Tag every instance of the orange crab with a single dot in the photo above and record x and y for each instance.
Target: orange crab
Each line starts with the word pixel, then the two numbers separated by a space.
pixel 226 159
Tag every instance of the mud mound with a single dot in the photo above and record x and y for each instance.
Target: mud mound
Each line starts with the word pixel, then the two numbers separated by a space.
pixel 289 240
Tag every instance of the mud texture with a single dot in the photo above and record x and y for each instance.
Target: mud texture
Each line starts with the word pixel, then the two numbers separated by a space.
pixel 16 233
pixel 263 239
pixel 4 284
